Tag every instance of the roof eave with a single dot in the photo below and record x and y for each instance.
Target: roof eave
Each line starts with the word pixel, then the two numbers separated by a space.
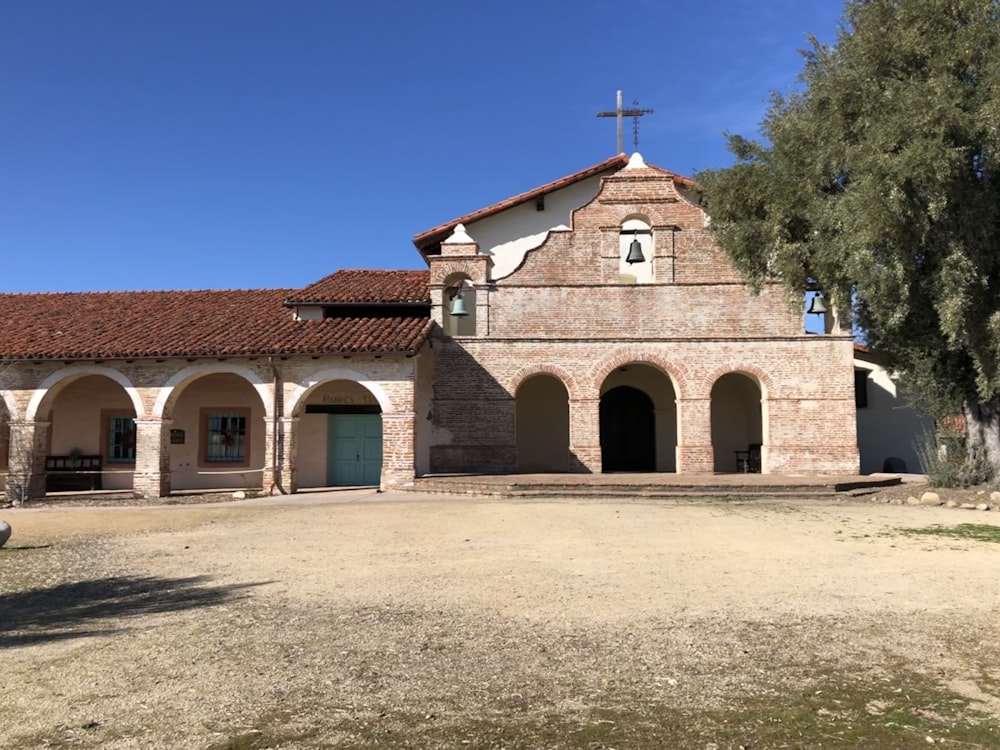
pixel 434 235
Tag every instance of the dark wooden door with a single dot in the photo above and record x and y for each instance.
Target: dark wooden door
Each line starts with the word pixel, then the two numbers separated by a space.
pixel 628 430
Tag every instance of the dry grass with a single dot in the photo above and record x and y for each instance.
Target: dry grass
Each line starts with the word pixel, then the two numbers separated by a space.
pixel 468 624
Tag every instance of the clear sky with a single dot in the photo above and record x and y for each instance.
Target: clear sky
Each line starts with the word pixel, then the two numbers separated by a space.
pixel 206 144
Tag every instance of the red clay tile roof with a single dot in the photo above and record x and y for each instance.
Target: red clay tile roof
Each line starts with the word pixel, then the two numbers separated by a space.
pixel 432 236
pixel 218 323
pixel 366 287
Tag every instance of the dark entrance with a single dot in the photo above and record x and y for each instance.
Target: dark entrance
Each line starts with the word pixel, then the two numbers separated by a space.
pixel 628 432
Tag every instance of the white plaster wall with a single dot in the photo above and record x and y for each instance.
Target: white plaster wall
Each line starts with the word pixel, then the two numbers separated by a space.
pixel 219 391
pixel 509 235
pixel 887 426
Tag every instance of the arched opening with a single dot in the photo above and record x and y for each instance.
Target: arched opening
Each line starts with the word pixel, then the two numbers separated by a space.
pixel 635 252
pixel 459 296
pixel 91 438
pixel 638 429
pixel 541 421
pixel 628 431
pixel 339 437
pixel 217 434
pixel 737 426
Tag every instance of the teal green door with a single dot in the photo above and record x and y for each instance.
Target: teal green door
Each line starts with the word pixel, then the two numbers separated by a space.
pixel 354 450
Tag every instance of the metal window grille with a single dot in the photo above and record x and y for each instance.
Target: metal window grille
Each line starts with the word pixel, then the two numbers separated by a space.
pixel 226 438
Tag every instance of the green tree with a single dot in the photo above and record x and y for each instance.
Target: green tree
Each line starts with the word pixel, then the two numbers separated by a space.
pixel 878 181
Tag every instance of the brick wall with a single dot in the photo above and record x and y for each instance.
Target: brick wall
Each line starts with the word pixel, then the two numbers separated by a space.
pixel 565 311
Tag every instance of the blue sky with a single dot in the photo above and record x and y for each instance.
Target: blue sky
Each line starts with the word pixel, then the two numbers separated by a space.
pixel 194 144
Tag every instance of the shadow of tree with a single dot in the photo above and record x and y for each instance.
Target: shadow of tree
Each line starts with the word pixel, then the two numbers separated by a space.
pixel 71 610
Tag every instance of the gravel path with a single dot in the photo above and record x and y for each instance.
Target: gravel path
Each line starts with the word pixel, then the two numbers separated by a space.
pixel 371 619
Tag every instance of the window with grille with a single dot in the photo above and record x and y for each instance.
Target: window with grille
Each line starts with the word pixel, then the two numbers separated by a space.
pixel 226 437
pixel 121 439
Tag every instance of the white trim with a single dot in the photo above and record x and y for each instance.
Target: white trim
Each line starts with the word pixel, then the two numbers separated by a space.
pixel 263 388
pixel 78 371
pixel 337 373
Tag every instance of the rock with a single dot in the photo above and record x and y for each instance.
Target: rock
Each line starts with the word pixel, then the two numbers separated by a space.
pixel 951 504
pixel 968 506
pixel 911 500
pixel 983 506
pixel 240 495
pixel 930 498
pixel 4 532
pixel 995 497
pixel 897 501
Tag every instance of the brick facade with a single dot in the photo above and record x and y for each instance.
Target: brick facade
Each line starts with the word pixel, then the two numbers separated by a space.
pixel 567 312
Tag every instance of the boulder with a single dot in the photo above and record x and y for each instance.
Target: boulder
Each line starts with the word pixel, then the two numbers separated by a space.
pixel 911 500
pixel 951 504
pixel 4 532
pixel 995 497
pixel 930 498
pixel 983 506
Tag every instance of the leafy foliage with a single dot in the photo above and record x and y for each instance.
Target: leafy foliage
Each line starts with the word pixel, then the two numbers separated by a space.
pixel 878 181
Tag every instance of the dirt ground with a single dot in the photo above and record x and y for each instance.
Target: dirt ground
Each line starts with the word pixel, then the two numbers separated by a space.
pixel 393 621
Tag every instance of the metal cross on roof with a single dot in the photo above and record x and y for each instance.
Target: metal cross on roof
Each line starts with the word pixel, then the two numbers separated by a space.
pixel 635 113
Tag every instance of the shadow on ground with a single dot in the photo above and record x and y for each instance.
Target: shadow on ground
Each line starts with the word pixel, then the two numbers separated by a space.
pixel 72 610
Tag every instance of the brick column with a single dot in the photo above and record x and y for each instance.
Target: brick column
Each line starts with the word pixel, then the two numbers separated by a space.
pixel 585 435
pixel 279 468
pixel 398 468
pixel 26 461
pixel 152 458
pixel 694 436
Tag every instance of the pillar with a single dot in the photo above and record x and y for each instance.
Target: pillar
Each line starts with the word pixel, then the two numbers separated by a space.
pixel 695 454
pixel 585 435
pixel 279 472
pixel 398 467
pixel 26 460
pixel 152 458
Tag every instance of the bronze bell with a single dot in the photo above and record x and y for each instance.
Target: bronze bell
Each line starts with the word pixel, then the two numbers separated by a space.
pixel 817 305
pixel 458 307
pixel 635 252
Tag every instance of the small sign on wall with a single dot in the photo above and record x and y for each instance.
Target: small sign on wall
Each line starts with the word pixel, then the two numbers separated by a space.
pixel 177 437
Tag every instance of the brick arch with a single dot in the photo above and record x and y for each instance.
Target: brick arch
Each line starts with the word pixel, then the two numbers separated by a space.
pixel 309 383
pixel 68 374
pixel 764 381
pixel 568 381
pixel 472 269
pixel 170 390
pixel 648 213
pixel 628 355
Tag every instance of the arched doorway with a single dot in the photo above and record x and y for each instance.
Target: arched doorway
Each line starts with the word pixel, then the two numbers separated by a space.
pixel 541 421
pixel 339 437
pixel 638 419
pixel 628 430
pixel 737 426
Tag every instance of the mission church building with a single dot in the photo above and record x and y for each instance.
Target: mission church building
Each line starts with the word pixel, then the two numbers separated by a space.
pixel 587 325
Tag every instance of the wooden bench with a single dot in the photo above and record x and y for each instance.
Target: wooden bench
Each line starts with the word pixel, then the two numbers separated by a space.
pixel 72 473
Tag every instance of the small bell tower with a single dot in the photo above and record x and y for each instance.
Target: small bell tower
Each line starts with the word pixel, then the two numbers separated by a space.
pixel 460 279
